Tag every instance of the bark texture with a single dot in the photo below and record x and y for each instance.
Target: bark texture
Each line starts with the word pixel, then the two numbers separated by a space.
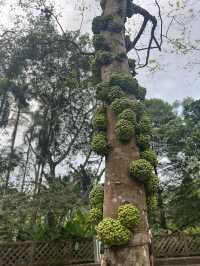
pixel 119 186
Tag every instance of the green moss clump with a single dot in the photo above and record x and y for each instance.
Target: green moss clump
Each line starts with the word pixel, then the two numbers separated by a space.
pixel 102 91
pixel 143 141
pixel 128 216
pixel 124 130
pixel 100 121
pixel 141 169
pixel 128 114
pixel 121 57
pixel 119 105
pixel 125 82
pixel 112 233
pixel 99 144
pixel 150 156
pixel 139 109
pixel 99 43
pixel 144 126
pixel 103 58
pixel 96 196
pixel 95 215
pixel 115 92
pixel 152 184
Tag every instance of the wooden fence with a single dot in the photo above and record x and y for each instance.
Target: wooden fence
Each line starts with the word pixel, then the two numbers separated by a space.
pixel 78 251
pixel 176 245
pixel 54 253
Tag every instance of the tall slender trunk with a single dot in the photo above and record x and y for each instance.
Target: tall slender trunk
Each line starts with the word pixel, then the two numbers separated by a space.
pixel 119 187
pixel 12 147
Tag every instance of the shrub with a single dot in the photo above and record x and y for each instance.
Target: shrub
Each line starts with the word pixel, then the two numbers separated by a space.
pixel 140 93
pixel 150 156
pixel 152 203
pixel 102 90
pixel 115 92
pixel 125 82
pixel 129 115
pixel 144 127
pixel 121 104
pixel 99 144
pixel 128 216
pixel 141 169
pixel 112 232
pixel 96 196
pixel 100 121
pixel 143 141
pixel 95 215
pixel 124 130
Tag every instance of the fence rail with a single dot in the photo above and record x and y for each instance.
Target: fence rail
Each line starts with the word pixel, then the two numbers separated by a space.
pixel 62 253
pixel 52 253
pixel 176 245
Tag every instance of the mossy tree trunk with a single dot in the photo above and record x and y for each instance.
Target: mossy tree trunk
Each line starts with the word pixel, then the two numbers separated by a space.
pixel 119 187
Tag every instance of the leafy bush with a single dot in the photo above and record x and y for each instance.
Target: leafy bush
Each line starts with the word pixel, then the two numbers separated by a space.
pixel 100 43
pixel 125 82
pixel 119 105
pixel 114 93
pixel 152 184
pixel 129 115
pixel 96 197
pixel 143 141
pixel 102 90
pixel 99 144
pixel 112 232
pixel 104 58
pixel 149 156
pixel 124 130
pixel 100 121
pixel 141 169
pixel 95 215
pixel 144 126
pixel 128 216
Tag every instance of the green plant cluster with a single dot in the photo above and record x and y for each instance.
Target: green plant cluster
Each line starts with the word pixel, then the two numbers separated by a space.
pixel 128 216
pixel 95 215
pixel 125 82
pixel 141 169
pixel 144 127
pixel 96 196
pixel 104 58
pixel 99 144
pixel 143 141
pixel 129 115
pixel 111 232
pixel 150 156
pixel 152 184
pixel 152 203
pixel 124 130
pixel 119 105
pixel 100 121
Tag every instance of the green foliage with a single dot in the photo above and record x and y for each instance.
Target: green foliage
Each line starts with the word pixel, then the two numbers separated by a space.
pixel 152 184
pixel 139 109
pixel 119 105
pixel 102 90
pixel 96 72
pixel 125 82
pixel 143 141
pixel 144 126
pixel 124 130
pixel 114 93
pixel 109 23
pixel 141 169
pixel 96 196
pixel 141 93
pixel 100 121
pixel 99 24
pixel 103 58
pixel 129 115
pixel 95 215
pixel 149 156
pixel 99 144
pixel 129 216
pixel 112 233
pixel 100 43
pixel 152 203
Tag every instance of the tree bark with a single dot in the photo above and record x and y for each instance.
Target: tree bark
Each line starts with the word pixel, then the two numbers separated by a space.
pixel 119 186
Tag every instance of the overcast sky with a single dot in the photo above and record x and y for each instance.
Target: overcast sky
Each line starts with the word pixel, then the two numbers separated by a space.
pixel 178 75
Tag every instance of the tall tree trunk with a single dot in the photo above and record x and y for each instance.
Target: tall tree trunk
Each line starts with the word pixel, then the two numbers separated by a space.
pixel 14 134
pixel 119 187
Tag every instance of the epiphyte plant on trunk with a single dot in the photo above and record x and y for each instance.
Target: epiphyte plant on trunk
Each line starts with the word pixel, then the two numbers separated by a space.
pixel 122 131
